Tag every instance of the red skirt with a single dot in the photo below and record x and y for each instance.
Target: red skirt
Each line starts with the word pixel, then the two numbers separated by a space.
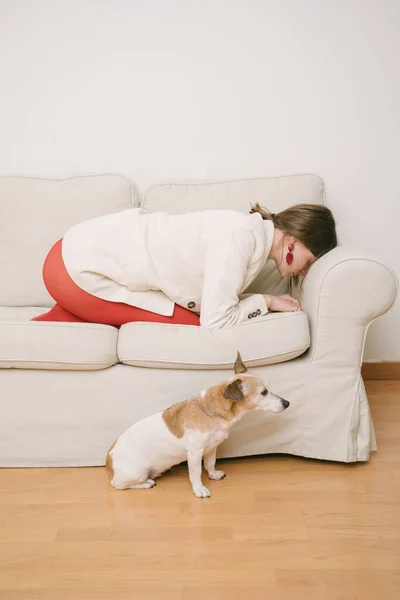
pixel 76 305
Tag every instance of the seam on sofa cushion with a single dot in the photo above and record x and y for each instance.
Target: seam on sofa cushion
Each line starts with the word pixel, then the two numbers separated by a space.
pixel 132 185
pixel 62 362
pixel 61 325
pixel 166 361
pixel 224 181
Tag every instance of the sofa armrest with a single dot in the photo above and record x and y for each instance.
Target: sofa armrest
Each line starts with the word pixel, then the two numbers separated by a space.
pixel 342 294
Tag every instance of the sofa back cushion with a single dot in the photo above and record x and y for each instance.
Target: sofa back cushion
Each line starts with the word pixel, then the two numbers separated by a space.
pixel 275 193
pixel 35 213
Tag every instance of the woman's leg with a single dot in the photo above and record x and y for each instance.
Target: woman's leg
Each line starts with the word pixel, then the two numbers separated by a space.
pixel 59 314
pixel 86 307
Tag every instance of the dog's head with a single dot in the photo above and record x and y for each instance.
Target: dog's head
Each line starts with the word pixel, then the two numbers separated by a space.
pixel 251 392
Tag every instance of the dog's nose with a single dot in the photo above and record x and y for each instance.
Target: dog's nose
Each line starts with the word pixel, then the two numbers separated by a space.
pixel 285 403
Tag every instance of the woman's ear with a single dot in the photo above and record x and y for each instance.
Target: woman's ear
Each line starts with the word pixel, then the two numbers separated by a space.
pixel 289 239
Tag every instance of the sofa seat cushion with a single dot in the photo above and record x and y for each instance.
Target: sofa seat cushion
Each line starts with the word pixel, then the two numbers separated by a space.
pixel 44 345
pixel 277 337
pixel 21 313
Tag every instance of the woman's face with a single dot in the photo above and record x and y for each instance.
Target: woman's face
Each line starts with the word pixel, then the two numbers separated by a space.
pixel 303 258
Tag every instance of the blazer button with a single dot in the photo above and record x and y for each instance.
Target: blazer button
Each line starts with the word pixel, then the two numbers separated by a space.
pixel 250 316
pixel 258 311
pixel 191 304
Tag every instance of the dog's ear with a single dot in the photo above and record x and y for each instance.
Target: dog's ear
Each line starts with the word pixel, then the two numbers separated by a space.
pixel 234 391
pixel 239 366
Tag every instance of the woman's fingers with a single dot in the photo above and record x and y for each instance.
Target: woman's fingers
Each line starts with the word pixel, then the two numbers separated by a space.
pixel 297 305
pixel 294 301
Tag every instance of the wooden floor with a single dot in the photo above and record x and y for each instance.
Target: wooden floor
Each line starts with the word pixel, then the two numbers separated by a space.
pixel 276 528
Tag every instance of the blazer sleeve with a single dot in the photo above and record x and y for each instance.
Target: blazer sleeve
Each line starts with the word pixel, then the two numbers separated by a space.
pixel 225 271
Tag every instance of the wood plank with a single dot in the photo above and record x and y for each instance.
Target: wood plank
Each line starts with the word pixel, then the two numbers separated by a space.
pixel 278 527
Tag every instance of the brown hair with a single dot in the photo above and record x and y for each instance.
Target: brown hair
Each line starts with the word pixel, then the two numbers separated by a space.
pixel 311 224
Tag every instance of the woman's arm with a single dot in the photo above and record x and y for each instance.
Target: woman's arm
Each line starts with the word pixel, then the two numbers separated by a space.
pixel 226 268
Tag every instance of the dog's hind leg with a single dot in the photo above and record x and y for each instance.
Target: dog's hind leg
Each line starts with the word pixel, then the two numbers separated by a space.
pixel 125 480
pixel 149 483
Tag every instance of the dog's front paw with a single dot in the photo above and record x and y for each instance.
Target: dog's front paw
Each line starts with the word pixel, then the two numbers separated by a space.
pixel 216 475
pixel 200 491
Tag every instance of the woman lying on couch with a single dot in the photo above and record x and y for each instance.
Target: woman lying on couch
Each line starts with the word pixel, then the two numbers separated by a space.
pixel 182 269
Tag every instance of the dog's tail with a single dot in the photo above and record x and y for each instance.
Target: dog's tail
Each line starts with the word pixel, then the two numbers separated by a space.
pixel 109 463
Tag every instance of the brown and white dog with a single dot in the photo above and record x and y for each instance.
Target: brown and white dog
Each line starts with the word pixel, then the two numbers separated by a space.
pixel 190 430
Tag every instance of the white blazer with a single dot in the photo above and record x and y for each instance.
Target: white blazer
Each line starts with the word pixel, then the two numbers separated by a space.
pixel 202 261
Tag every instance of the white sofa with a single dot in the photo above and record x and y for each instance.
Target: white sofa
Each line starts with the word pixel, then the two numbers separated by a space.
pixel 67 390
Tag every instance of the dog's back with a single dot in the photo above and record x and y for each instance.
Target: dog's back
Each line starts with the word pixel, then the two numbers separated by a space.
pixel 147 447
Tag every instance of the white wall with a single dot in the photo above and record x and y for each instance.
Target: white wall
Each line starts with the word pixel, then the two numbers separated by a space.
pixel 214 88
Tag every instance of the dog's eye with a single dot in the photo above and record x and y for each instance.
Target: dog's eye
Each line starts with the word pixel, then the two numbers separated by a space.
pixel 264 392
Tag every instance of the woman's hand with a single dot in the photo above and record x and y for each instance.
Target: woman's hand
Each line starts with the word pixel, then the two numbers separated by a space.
pixel 282 303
